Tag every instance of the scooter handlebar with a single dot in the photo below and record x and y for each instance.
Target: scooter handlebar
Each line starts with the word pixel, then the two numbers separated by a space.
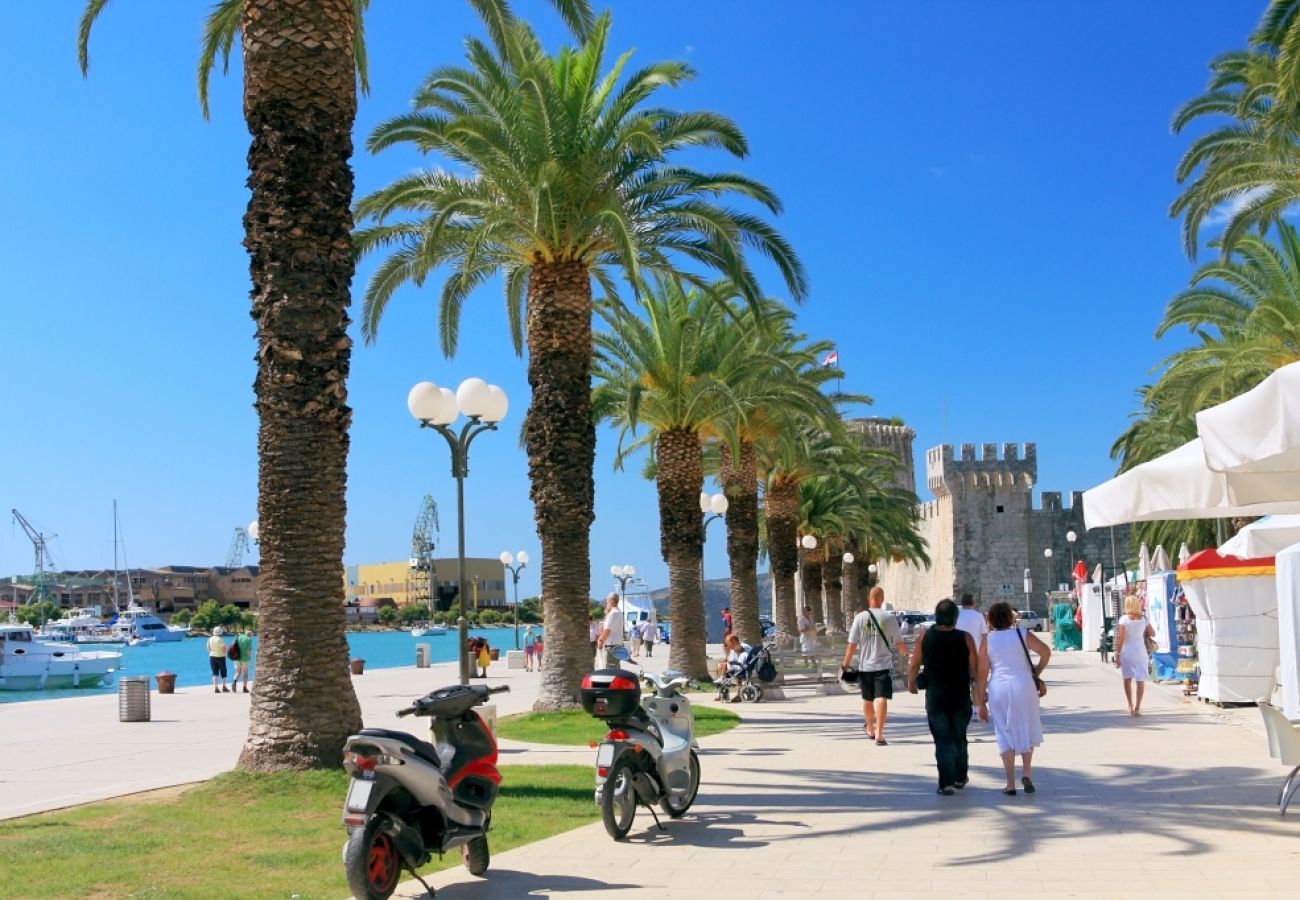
pixel 503 689
pixel 403 713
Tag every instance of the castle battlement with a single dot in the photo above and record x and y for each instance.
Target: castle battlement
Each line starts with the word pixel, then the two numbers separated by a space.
pixel 884 433
pixel 944 471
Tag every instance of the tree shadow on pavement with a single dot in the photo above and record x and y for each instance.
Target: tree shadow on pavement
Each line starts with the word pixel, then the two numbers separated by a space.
pixel 514 883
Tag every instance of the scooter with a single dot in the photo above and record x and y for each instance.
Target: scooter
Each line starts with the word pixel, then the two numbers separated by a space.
pixel 649 753
pixel 408 799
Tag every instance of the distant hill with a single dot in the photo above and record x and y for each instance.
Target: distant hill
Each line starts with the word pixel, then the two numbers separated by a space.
pixel 717 594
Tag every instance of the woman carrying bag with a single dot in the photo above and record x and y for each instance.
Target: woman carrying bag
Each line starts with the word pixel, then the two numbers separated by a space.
pixel 1012 687
pixel 1132 633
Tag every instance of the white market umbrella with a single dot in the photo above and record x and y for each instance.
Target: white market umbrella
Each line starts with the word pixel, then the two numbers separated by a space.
pixel 1097 575
pixel 1144 562
pixel 1267 537
pixel 1179 485
pixel 1184 554
pixel 1258 431
pixel 1160 560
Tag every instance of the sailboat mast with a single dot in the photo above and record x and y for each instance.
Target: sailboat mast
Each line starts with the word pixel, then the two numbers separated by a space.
pixel 115 608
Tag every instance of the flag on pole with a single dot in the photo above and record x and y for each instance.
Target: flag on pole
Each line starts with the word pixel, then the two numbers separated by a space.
pixel 832 359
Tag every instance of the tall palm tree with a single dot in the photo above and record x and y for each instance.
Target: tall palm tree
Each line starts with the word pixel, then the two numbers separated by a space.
pixel 667 380
pixel 302 60
pixel 569 181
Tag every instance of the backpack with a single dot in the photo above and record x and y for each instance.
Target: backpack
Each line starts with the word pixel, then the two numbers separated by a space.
pixel 233 650
pixel 765 670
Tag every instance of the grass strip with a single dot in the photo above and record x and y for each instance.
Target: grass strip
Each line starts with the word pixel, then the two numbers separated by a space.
pixel 246 835
pixel 571 726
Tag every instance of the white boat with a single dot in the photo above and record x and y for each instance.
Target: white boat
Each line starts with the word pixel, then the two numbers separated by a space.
pixel 28 663
pixel 138 622
pixel 427 630
pixel 140 641
pixel 79 626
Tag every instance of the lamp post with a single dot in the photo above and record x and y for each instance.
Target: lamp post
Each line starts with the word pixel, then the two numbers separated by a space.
pixel 872 571
pixel 845 612
pixel 507 560
pixel 622 574
pixel 712 506
pixel 1051 568
pixel 807 542
pixel 485 405
pixel 1029 589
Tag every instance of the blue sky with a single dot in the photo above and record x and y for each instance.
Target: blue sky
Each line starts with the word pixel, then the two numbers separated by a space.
pixel 978 190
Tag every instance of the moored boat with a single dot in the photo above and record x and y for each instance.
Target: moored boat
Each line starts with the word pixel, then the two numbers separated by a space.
pixel 138 622
pixel 29 663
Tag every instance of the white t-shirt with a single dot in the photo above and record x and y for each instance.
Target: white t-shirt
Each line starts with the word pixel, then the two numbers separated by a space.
pixel 614 622
pixel 736 658
pixel 972 622
pixel 649 631
pixel 805 623
pixel 593 631
pixel 875 650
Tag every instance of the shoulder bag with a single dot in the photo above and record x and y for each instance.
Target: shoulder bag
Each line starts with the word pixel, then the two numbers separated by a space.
pixel 1038 682
pixel 1148 641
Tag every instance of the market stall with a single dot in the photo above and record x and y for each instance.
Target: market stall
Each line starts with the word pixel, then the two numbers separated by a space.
pixel 1236 608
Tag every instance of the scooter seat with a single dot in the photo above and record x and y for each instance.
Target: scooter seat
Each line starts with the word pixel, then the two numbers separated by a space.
pixel 423 749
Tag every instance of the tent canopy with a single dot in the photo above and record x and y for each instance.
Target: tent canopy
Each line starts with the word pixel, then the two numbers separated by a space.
pixel 1258 431
pixel 1267 537
pixel 1209 564
pixel 1179 485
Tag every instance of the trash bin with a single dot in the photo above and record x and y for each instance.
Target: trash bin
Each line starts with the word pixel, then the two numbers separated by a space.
pixel 422 656
pixel 166 682
pixel 133 698
pixel 358 666
pixel 494 654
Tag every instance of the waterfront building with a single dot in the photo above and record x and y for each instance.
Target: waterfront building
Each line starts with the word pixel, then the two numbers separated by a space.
pixel 402 584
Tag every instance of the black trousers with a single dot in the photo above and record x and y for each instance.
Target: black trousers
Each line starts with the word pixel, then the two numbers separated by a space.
pixel 948 714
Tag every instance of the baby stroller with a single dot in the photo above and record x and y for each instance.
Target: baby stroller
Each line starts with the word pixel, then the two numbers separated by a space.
pixel 747 680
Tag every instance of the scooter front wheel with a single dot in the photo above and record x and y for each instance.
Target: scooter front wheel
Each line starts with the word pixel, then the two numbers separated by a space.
pixel 476 855
pixel 618 799
pixel 677 807
pixel 372 862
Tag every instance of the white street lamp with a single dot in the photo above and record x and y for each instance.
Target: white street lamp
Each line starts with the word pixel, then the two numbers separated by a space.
pixel 437 407
pixel 848 558
pixel 808 542
pixel 622 574
pixel 253 531
pixel 507 560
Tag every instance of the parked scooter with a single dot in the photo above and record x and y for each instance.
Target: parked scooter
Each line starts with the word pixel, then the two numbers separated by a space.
pixel 408 799
pixel 649 753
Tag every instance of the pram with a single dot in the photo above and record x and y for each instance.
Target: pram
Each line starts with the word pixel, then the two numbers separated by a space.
pixel 747 679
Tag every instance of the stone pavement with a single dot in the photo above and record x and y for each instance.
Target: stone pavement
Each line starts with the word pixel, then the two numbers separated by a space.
pixel 795 802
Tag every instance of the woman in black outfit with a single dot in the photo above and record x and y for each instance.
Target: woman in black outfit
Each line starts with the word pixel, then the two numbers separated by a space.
pixel 950 665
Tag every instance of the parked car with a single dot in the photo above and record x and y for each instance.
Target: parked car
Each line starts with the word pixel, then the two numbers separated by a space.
pixel 767 625
pixel 1029 620
pixel 911 621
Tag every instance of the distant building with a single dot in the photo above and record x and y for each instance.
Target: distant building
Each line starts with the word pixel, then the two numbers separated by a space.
pixel 402 584
pixel 164 590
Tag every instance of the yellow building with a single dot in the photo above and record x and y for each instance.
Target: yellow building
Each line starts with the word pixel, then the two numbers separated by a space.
pixel 403 584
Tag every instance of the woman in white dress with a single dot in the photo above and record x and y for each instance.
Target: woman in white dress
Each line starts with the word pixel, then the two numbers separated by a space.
pixel 1011 697
pixel 1131 651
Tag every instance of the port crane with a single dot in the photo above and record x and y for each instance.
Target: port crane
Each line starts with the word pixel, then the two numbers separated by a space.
pixel 238 547
pixel 422 542
pixel 44 562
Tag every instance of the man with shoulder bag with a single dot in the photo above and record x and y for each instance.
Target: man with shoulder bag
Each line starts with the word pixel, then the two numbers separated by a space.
pixel 873 636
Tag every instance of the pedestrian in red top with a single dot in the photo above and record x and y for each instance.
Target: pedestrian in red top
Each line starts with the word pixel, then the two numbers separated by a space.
pixel 726 623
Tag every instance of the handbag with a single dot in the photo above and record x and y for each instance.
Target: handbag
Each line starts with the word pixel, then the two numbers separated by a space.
pixel 1038 682
pixel 1148 641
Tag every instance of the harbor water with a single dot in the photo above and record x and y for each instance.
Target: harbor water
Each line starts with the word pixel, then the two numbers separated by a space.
pixel 189 658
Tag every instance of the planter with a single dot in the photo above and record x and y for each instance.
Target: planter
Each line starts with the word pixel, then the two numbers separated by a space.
pixel 166 682
pixel 358 666
pixel 494 654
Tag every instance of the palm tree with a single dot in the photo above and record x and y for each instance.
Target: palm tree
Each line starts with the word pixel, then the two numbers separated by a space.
pixel 569 182
pixel 676 374
pixel 300 100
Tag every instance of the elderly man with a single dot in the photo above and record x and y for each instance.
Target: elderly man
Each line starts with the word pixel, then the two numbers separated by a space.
pixel 611 634
pixel 873 636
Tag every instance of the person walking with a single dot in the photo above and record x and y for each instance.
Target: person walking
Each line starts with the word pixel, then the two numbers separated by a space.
pixel 217 660
pixel 1131 656
pixel 951 660
pixel 807 637
pixel 873 637
pixel 1012 688
pixel 611 634
pixel 971 620
pixel 649 634
pixel 634 638
pixel 538 647
pixel 244 664
pixel 484 656
pixel 593 632
pixel 528 649
pixel 726 623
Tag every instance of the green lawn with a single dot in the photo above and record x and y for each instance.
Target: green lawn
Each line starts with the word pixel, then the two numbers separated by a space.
pixel 243 835
pixel 577 727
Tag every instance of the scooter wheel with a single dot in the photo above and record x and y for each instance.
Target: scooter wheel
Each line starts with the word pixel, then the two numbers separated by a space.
pixel 371 861
pixel 618 799
pixel 476 855
pixel 751 693
pixel 675 808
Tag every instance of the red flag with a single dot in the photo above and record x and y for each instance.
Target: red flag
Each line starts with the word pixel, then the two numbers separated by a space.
pixel 832 359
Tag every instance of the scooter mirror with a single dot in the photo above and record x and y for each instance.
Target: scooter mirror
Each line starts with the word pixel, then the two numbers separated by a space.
pixel 621 654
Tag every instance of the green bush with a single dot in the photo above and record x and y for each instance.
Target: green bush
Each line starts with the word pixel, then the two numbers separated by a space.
pixel 413 612
pixel 181 618
pixel 35 614
pixel 210 614
pixel 489 617
pixel 388 614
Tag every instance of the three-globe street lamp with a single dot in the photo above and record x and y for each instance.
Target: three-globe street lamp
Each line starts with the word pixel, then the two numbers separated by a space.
pixel 507 560
pixel 438 408
pixel 622 574
pixel 807 542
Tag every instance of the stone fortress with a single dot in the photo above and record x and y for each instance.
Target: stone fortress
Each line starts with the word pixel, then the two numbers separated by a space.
pixel 982 529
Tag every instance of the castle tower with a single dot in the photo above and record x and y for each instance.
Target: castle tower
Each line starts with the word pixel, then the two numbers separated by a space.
pixel 879 432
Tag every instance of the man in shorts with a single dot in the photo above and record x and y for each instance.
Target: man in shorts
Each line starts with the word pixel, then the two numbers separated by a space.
pixel 873 636
pixel 217 660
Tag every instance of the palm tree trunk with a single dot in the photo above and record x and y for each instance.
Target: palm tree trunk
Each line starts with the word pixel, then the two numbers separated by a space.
pixel 782 510
pixel 833 580
pixel 560 436
pixel 299 104
pixel 679 475
pixel 849 593
pixel 740 483
pixel 812 582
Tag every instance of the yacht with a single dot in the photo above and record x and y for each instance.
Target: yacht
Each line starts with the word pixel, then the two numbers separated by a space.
pixel 83 625
pixel 29 663
pixel 426 630
pixel 137 622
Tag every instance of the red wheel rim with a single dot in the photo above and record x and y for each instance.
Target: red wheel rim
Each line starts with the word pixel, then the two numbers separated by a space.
pixel 382 863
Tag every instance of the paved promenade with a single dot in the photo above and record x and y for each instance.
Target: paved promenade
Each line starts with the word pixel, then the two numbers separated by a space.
pixel 795 802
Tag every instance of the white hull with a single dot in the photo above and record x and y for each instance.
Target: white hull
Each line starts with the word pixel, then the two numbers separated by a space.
pixel 28 664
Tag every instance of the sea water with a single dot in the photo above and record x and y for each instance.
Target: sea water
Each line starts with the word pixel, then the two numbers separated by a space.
pixel 189 658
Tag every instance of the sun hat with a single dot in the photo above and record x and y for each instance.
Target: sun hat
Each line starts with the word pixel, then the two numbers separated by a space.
pixel 218 631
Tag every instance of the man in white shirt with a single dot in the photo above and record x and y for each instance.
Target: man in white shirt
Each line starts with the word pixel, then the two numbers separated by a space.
pixel 611 634
pixel 873 636
pixel 971 620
